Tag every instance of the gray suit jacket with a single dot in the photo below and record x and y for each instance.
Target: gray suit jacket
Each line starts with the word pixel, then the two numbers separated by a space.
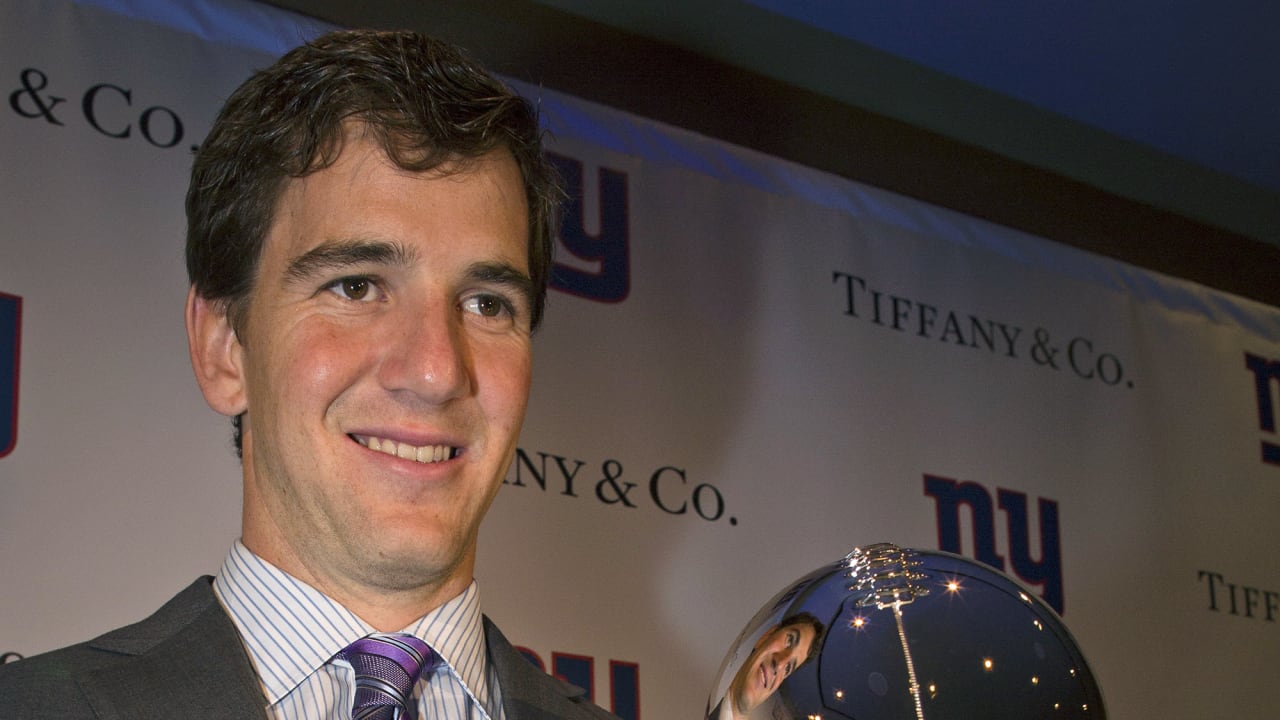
pixel 186 660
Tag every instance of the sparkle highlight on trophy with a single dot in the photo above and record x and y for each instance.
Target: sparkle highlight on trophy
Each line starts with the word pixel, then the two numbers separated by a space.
pixel 890 633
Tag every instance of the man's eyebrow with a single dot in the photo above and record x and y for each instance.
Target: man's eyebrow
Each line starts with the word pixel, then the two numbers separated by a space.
pixel 502 274
pixel 335 255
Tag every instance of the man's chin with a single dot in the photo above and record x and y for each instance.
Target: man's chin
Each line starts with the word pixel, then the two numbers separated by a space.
pixel 407 567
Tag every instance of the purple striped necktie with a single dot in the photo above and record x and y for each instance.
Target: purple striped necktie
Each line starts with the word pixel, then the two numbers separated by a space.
pixel 387 666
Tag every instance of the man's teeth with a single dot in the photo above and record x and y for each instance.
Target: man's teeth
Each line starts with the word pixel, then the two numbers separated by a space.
pixel 405 451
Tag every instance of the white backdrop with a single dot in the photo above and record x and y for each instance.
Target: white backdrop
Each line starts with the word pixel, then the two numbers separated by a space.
pixel 758 371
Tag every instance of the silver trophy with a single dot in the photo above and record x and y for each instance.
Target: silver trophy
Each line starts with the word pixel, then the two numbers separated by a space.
pixel 891 633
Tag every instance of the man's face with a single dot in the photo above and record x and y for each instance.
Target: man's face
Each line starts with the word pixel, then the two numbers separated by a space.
pixel 776 655
pixel 386 365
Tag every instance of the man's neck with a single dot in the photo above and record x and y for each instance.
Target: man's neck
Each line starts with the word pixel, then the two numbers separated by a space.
pixel 386 609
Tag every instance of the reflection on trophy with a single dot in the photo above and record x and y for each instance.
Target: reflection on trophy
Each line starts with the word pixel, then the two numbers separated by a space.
pixel 890 632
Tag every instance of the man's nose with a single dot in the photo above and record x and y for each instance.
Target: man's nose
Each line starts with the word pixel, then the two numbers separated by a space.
pixel 428 354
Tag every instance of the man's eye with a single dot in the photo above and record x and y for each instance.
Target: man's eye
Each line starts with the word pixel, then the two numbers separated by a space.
pixel 486 305
pixel 354 288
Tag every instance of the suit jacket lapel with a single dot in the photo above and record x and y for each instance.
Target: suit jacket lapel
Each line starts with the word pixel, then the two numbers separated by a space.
pixel 527 692
pixel 187 662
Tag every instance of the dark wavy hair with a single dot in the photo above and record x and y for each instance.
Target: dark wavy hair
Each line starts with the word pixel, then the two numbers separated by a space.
pixel 426 102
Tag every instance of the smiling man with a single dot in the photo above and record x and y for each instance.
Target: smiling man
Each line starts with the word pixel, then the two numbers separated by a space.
pixel 777 653
pixel 369 241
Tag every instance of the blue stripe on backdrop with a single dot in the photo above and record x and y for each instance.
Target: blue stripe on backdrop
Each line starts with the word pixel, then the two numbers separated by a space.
pixel 255 25
pixel 243 23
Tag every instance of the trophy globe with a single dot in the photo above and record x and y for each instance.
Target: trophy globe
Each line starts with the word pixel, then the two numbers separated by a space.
pixel 892 633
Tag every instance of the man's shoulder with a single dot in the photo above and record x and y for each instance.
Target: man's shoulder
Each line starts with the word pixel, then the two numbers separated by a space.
pixel 46 685
pixel 71 681
pixel 128 640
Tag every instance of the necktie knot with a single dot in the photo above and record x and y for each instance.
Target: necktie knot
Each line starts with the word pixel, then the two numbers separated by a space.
pixel 387 667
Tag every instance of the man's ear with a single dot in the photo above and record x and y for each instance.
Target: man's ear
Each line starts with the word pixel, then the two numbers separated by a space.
pixel 216 354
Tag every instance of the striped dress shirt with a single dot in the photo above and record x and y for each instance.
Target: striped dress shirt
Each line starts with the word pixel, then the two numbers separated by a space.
pixel 293 631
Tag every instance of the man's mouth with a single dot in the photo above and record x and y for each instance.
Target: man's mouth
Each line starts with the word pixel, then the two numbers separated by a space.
pixel 405 451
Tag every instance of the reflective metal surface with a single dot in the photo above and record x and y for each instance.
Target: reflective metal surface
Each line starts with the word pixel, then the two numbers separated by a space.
pixel 895 633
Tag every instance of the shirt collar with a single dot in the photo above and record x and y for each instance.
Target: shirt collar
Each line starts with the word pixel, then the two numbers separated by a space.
pixel 290 629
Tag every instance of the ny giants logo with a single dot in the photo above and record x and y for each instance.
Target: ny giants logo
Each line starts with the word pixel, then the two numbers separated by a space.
pixel 624 679
pixel 1266 377
pixel 10 343
pixel 601 263
pixel 1045 573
